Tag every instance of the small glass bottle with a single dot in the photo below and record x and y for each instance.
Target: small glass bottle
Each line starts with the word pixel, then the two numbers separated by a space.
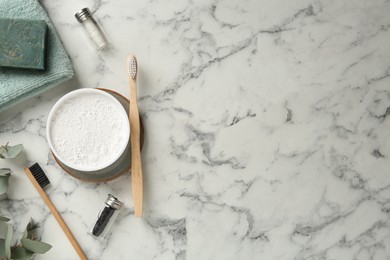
pixel 92 28
pixel 106 217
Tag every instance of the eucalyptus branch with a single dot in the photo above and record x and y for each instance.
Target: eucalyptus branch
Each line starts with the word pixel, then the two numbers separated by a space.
pixel 28 244
pixel 9 152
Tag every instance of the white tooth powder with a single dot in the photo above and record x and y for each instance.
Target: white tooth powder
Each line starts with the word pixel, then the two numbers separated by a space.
pixel 88 130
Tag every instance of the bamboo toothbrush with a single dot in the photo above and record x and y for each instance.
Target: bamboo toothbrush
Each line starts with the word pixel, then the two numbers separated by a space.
pixel 136 166
pixel 40 180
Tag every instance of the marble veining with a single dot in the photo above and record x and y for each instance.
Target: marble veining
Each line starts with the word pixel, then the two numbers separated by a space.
pixel 266 131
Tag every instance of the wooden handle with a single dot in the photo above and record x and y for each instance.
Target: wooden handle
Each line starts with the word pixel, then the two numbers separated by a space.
pixel 56 214
pixel 136 165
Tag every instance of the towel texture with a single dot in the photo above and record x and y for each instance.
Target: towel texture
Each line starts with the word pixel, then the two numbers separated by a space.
pixel 18 85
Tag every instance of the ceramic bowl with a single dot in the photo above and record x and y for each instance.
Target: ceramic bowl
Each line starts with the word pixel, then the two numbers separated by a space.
pixel 114 169
pixel 122 165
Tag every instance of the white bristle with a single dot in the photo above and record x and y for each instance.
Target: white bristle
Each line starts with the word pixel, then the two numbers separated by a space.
pixel 132 66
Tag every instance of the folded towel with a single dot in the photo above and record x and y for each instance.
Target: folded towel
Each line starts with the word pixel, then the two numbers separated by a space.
pixel 17 85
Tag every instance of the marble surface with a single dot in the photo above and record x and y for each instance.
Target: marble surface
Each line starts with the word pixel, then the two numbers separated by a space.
pixel 267 131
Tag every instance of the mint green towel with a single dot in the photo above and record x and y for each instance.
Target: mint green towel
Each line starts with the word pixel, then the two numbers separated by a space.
pixel 18 85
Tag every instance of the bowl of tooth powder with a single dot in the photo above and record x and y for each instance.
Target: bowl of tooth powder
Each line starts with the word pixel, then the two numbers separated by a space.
pixel 88 130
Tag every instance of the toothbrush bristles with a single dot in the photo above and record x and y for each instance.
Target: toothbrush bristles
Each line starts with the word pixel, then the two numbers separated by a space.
pixel 132 66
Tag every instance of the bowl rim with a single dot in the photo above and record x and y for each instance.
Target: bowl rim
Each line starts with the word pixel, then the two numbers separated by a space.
pixel 60 102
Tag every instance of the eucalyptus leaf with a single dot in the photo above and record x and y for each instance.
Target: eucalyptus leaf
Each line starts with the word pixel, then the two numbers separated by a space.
pixel 21 253
pixel 9 233
pixel 4 184
pixel 35 246
pixel 27 232
pixel 2 248
pixel 4 219
pixel 8 152
pixel 5 171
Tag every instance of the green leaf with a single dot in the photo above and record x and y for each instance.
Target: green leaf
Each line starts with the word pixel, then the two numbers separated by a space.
pixel 4 219
pixel 2 248
pixel 8 152
pixel 21 253
pixel 35 246
pixel 27 232
pixel 9 233
pixel 5 171
pixel 4 184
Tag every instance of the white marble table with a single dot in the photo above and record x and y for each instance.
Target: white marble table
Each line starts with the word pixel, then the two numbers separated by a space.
pixel 267 131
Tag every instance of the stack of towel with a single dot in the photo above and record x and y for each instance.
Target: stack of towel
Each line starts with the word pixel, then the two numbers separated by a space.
pixel 17 85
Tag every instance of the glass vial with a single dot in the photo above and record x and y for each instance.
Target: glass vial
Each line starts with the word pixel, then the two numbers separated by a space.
pixel 106 217
pixel 92 28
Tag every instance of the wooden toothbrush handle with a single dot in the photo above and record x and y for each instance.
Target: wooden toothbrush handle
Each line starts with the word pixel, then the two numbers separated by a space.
pixel 56 214
pixel 137 187
pixel 136 165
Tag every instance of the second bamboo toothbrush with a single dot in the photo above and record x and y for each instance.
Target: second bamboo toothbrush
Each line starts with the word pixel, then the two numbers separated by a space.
pixel 136 166
pixel 39 179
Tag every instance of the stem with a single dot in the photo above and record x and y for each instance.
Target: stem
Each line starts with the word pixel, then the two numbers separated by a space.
pixel 13 248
